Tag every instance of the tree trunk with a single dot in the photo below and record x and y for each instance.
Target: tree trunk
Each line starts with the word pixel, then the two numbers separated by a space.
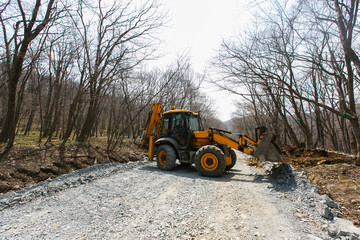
pixel 29 122
pixel 356 131
pixel 8 128
pixel 72 116
pixel 89 122
pixel 284 118
pixel 30 32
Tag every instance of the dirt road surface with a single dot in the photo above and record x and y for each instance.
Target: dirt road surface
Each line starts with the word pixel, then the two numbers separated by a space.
pixel 138 201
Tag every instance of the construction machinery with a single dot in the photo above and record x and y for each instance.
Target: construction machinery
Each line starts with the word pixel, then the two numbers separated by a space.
pixel 176 135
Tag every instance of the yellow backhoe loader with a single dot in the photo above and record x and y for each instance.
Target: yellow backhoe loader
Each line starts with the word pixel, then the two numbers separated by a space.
pixel 176 135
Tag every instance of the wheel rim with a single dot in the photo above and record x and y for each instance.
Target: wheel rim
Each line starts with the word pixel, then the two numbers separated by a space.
pixel 209 161
pixel 162 157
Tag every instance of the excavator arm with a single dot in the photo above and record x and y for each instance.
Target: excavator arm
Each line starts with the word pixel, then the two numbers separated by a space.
pixel 151 132
pixel 263 148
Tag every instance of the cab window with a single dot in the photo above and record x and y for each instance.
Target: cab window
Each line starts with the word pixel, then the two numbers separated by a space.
pixel 193 123
pixel 165 125
pixel 174 125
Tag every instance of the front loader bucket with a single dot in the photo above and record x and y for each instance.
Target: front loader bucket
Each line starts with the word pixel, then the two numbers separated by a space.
pixel 268 150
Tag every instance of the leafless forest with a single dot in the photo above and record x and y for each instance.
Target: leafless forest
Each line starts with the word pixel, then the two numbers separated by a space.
pixel 72 70
pixel 75 70
pixel 298 69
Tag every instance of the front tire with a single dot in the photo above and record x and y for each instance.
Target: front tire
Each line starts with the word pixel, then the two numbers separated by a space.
pixel 165 157
pixel 210 161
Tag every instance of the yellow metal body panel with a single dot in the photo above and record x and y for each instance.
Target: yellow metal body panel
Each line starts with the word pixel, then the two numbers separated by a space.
pixel 209 137
pixel 222 139
pixel 248 151
pixel 201 138
pixel 201 134
pixel 245 138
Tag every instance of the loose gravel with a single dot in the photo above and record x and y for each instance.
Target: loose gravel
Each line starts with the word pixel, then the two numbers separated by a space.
pixel 138 201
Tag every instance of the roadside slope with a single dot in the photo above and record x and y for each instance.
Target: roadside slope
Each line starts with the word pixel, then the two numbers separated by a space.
pixel 146 203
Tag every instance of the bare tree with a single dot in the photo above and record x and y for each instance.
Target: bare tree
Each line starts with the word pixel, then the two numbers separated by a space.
pixel 346 18
pixel 337 21
pixel 133 95
pixel 60 56
pixel 301 56
pixel 116 38
pixel 19 30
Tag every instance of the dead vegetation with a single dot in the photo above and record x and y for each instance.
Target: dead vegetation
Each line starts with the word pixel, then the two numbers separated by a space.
pixel 26 165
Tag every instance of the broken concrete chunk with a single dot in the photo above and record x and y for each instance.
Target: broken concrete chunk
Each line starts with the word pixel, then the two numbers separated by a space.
pixel 343 228
pixel 329 202
pixel 324 210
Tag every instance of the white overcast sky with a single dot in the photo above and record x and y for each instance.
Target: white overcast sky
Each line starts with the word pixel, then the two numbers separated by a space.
pixel 197 27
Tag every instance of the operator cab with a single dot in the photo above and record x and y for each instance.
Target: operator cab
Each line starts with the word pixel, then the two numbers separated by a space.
pixel 179 125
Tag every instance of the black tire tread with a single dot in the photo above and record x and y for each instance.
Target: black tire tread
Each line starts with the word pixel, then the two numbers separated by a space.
pixel 233 160
pixel 170 157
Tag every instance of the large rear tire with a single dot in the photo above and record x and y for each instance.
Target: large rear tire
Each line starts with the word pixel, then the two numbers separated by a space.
pixel 210 161
pixel 233 160
pixel 165 157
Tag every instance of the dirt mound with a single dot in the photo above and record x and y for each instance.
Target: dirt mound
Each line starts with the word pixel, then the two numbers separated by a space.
pixel 307 157
pixel 335 174
pixel 304 152
pixel 27 165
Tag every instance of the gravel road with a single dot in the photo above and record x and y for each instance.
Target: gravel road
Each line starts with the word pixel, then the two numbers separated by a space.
pixel 138 201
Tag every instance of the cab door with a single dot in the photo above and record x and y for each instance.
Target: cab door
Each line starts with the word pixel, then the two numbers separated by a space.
pixel 174 125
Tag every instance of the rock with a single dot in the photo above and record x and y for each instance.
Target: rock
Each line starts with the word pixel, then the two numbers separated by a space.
pixel 300 215
pixel 312 237
pixel 323 207
pixel 329 202
pixel 324 210
pixel 343 228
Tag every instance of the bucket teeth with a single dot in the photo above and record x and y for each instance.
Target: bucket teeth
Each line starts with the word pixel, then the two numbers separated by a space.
pixel 267 150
